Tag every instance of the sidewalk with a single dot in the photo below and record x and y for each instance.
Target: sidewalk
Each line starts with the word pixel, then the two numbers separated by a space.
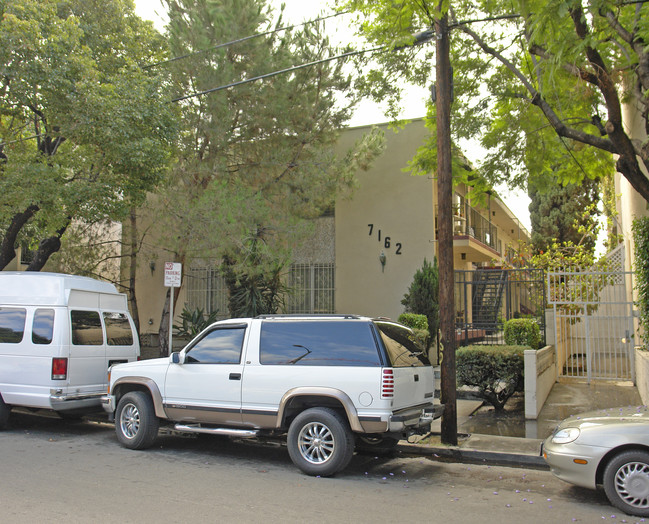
pixel 565 399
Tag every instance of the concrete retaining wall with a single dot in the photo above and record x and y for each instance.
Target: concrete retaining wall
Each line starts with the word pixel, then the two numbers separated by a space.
pixel 540 376
pixel 642 374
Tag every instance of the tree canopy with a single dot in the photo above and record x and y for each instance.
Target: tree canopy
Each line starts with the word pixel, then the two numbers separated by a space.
pixel 256 161
pixel 84 130
pixel 543 84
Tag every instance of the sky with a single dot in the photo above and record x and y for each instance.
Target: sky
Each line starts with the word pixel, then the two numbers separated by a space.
pixel 368 112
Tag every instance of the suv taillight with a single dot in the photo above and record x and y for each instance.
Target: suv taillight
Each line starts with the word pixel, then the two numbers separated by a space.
pixel 387 384
pixel 59 368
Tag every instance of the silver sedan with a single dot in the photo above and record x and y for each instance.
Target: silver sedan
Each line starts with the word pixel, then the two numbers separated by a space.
pixel 608 447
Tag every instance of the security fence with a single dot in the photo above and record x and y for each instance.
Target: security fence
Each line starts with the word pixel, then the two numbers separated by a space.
pixel 486 298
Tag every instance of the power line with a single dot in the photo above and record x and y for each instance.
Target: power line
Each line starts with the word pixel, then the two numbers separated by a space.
pixel 244 39
pixel 280 72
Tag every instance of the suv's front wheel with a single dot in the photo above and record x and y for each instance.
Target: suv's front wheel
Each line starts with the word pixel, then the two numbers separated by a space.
pixel 136 425
pixel 320 442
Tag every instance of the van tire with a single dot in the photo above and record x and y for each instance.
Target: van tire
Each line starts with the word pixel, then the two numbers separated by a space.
pixel 4 413
pixel 136 425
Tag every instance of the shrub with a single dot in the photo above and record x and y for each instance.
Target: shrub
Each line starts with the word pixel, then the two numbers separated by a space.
pixel 641 239
pixel 423 295
pixel 497 371
pixel 414 320
pixel 522 332
pixel 193 322
pixel 419 325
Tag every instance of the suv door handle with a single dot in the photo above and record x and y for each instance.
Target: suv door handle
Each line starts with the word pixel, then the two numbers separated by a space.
pixel 235 376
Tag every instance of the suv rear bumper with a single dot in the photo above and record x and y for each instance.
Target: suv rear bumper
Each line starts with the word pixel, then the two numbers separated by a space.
pixel 417 417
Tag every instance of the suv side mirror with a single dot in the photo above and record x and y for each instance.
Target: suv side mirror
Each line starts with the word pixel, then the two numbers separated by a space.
pixel 175 358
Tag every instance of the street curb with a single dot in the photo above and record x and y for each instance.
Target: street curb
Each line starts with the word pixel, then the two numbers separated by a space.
pixel 467 456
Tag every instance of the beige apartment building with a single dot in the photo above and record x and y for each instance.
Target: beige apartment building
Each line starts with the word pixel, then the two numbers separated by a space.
pixel 362 258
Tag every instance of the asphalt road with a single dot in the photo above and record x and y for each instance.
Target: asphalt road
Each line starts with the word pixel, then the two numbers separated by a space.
pixel 55 471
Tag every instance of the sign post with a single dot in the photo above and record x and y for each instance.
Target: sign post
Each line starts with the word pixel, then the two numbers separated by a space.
pixel 173 278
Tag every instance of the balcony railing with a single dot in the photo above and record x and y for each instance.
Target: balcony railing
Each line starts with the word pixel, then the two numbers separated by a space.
pixel 468 221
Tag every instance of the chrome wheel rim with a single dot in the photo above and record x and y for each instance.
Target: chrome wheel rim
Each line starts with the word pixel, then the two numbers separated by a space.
pixel 316 443
pixel 632 484
pixel 129 421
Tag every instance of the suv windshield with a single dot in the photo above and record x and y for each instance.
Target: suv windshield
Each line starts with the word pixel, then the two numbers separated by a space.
pixel 401 345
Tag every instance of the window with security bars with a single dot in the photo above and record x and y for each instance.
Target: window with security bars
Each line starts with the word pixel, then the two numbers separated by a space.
pixel 312 288
pixel 206 290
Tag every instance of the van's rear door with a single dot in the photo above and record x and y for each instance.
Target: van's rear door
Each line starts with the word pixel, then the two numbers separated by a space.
pixel 414 380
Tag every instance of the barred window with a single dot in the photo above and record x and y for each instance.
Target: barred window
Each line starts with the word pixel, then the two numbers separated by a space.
pixel 206 290
pixel 312 288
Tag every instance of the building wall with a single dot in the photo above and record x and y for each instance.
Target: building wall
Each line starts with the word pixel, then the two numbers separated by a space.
pixel 400 207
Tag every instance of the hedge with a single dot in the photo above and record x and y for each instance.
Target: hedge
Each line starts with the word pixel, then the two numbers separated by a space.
pixel 497 371
pixel 522 332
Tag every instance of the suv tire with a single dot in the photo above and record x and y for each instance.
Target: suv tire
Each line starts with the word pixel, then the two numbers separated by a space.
pixel 376 444
pixel 136 425
pixel 4 413
pixel 320 442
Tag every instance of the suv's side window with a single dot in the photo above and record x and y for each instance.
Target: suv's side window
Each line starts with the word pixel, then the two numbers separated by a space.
pixel 318 343
pixel 12 324
pixel 219 346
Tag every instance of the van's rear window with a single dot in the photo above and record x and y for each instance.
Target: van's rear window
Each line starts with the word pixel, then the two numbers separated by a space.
pixel 86 328
pixel 401 345
pixel 318 343
pixel 118 329
pixel 12 325
pixel 43 328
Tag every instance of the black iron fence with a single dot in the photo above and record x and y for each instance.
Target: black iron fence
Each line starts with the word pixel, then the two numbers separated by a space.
pixel 486 298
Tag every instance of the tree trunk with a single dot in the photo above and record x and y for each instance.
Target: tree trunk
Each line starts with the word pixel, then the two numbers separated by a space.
pixel 7 247
pixel 46 248
pixel 163 332
pixel 132 270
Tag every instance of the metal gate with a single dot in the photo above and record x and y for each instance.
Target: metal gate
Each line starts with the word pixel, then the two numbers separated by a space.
pixel 593 322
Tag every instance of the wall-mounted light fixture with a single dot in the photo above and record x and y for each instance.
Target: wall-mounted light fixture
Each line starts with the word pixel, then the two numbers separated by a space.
pixel 152 266
pixel 383 259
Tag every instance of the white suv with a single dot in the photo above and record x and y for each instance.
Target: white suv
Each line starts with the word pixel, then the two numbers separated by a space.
pixel 331 383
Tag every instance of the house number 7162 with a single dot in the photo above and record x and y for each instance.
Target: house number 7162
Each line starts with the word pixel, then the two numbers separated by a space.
pixel 387 241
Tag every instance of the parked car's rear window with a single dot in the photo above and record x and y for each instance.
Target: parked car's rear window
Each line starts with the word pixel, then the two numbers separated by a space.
pixel 12 325
pixel 43 326
pixel 318 343
pixel 402 347
pixel 118 329
pixel 86 328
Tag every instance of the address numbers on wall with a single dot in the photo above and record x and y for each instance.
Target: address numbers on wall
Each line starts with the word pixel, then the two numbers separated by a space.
pixel 385 241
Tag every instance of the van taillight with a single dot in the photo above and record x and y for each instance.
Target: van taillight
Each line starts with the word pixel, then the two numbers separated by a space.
pixel 59 368
pixel 387 384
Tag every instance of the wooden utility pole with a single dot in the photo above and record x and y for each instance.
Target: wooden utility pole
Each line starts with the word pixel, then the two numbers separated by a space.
pixel 445 227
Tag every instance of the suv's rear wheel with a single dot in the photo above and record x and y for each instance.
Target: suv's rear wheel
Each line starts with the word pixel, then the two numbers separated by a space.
pixel 376 444
pixel 320 442
pixel 4 413
pixel 136 425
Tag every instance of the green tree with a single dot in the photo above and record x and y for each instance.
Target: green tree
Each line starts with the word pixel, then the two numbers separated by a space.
pixel 559 212
pixel 423 296
pixel 84 131
pixel 542 83
pixel 256 161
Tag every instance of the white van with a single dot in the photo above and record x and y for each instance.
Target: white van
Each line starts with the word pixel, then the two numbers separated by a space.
pixel 59 334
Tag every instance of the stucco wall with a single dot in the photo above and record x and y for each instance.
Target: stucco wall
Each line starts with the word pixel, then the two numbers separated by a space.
pixel 540 376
